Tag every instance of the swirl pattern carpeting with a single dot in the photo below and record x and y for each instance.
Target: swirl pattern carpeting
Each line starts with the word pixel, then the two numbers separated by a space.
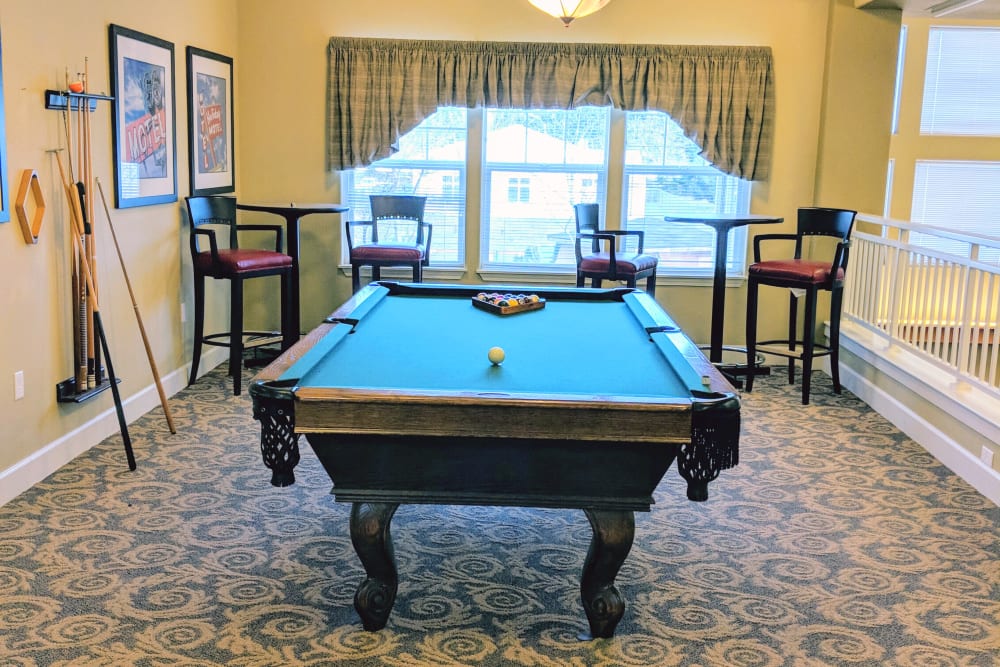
pixel 837 541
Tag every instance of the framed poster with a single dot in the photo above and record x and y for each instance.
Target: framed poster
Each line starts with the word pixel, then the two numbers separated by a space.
pixel 4 195
pixel 143 121
pixel 210 122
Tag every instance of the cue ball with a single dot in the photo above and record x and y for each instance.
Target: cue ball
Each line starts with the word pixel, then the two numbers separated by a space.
pixel 496 355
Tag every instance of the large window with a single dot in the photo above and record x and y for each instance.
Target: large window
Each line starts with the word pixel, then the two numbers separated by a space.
pixel 431 161
pixel 963 196
pixel 664 175
pixel 962 82
pixel 537 164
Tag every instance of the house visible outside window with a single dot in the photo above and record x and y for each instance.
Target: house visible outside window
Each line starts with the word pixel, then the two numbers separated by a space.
pixel 431 161
pixel 519 190
pixel 536 165
pixel 961 98
pixel 664 175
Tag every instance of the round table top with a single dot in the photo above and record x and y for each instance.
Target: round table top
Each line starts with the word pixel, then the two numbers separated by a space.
pixel 726 220
pixel 293 207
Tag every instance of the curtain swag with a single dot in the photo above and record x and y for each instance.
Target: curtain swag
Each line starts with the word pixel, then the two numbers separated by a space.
pixel 379 89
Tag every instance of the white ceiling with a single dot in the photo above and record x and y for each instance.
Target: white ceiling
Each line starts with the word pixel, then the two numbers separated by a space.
pixel 987 10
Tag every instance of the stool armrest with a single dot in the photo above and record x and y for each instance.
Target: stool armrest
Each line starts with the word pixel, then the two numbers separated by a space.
pixel 772 237
pixel 264 228
pixel 212 243
pixel 428 231
pixel 840 258
pixel 349 226
pixel 638 234
pixel 604 235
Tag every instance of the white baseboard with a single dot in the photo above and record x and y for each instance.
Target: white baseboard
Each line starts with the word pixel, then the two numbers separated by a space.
pixel 27 472
pixel 942 447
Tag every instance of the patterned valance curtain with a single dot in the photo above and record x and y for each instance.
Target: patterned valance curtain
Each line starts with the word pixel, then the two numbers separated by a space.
pixel 379 89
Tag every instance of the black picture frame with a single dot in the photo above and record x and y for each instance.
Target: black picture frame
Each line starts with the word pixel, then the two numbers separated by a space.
pixel 4 194
pixel 144 118
pixel 211 142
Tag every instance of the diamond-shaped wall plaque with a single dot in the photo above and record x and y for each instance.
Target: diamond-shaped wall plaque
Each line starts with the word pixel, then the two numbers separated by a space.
pixel 29 183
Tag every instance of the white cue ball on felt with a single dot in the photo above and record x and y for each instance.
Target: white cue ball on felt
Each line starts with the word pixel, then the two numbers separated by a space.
pixel 496 355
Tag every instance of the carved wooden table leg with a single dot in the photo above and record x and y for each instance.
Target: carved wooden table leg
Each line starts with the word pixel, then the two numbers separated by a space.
pixel 613 534
pixel 373 543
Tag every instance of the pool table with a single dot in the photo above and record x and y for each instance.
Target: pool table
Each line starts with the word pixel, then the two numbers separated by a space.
pixel 599 392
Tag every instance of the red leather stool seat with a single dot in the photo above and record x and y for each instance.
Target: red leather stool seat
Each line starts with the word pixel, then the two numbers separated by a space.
pixel 388 253
pixel 795 270
pixel 241 260
pixel 626 264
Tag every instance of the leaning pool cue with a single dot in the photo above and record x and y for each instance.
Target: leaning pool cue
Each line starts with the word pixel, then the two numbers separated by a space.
pixel 135 308
pixel 76 220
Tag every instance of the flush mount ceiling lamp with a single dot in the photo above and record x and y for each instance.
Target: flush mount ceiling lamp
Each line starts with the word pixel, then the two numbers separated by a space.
pixel 567 10
pixel 951 6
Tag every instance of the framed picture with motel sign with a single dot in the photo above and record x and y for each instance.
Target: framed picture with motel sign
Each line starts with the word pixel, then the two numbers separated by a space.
pixel 210 122
pixel 143 122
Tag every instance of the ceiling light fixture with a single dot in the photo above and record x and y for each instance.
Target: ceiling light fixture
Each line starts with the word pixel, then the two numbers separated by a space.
pixel 951 6
pixel 567 10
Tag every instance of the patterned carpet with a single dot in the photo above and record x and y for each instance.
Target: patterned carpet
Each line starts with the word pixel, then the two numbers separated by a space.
pixel 837 541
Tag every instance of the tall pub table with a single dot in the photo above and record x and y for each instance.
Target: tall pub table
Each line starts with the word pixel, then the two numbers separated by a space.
pixel 723 225
pixel 293 212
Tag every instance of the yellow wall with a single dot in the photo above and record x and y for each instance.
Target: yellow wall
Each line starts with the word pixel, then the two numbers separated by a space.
pixel 280 54
pixel 41 39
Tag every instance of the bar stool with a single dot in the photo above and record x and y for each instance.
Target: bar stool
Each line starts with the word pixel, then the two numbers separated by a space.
pixel 404 240
pixel 236 265
pixel 804 277
pixel 614 263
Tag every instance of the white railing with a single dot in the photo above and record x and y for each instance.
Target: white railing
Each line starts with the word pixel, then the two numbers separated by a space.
pixel 930 291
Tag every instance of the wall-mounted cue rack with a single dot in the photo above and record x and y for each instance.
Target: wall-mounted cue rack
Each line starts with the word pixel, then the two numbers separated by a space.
pixel 89 337
pixel 59 99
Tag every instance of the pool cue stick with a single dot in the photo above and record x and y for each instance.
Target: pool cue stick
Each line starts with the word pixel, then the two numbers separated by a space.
pixel 135 308
pixel 88 176
pixel 81 186
pixel 78 285
pixel 68 129
pixel 76 220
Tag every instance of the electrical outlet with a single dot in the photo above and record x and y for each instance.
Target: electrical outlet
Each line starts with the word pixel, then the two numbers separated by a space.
pixel 18 385
pixel 986 456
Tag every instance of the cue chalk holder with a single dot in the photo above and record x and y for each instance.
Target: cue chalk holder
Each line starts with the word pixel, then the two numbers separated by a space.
pixel 30 184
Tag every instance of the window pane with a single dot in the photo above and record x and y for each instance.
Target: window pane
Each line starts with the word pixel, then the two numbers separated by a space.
pixel 962 82
pixel 538 164
pixel 961 196
pixel 664 175
pixel 430 162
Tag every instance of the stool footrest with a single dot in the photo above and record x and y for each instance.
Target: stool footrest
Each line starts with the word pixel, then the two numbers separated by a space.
pixel 780 348
pixel 251 339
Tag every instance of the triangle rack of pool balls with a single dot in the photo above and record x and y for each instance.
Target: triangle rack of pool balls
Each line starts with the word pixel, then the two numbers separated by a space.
pixel 507 304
